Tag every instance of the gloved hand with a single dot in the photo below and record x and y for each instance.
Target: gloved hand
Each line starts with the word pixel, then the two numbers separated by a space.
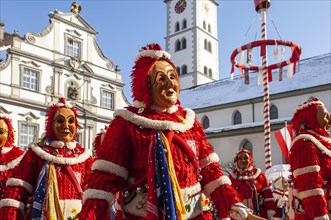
pixel 239 211
pixel 281 202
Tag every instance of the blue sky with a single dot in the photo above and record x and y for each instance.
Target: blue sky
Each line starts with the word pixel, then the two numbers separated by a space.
pixel 126 25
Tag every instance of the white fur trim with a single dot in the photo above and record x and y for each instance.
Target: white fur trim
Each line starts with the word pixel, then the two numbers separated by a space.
pixel 156 54
pixel 61 144
pixel 267 188
pixel 139 104
pixel 157 124
pixel 70 204
pixel 110 167
pixel 311 192
pixel 324 217
pixel 318 144
pixel 21 183
pixel 305 170
pixel 12 203
pixel 269 199
pixel 11 164
pixel 6 149
pixel 60 160
pixel 209 159
pixel 256 174
pixel 210 187
pixel 170 110
pixel 98 194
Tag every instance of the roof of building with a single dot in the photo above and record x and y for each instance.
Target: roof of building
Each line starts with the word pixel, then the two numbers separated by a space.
pixel 312 72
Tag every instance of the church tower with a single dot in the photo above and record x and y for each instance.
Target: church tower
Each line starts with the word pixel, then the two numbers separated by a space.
pixel 192 40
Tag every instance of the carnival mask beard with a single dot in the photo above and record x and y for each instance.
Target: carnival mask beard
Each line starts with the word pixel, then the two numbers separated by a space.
pixel 3 133
pixel 243 161
pixel 323 119
pixel 164 84
pixel 64 125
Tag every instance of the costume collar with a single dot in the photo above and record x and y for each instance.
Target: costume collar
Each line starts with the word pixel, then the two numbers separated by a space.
pixel 5 149
pixel 157 124
pixel 61 144
pixel 248 175
pixel 11 164
pixel 60 160
pixel 170 110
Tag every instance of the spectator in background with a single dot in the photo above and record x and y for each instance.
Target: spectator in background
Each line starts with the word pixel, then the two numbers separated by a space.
pixel 53 172
pixel 310 160
pixel 252 185
pixel 10 155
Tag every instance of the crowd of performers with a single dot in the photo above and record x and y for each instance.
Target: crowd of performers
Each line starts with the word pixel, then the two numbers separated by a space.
pixel 153 162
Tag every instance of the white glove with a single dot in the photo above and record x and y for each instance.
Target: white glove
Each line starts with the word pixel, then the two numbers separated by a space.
pixel 324 217
pixel 225 218
pixel 281 202
pixel 239 211
pixel 270 214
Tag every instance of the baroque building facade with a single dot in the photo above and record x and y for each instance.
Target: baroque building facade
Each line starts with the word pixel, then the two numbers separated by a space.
pixel 64 60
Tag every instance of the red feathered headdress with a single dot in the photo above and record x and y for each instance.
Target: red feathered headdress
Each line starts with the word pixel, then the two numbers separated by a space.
pixel 50 115
pixel 144 61
pixel 10 139
pixel 305 117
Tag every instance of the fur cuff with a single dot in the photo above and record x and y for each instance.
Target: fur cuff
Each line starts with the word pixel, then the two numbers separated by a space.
pixel 98 194
pixel 11 164
pixel 305 170
pixel 210 187
pixel 21 183
pixel 109 167
pixel 208 160
pixel 12 203
pixel 311 192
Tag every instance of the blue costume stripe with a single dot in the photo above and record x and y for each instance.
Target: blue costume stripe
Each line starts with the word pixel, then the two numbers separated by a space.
pixel 163 181
pixel 39 194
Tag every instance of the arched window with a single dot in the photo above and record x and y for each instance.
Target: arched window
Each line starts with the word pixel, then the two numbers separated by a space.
pixel 184 24
pixel 273 112
pixel 205 122
pixel 177 46
pixel 206 44
pixel 184 69
pixel 210 47
pixel 204 25
pixel 210 73
pixel 246 144
pixel 205 70
pixel 237 118
pixel 183 43
pixel 178 70
pixel 177 26
pixel 209 28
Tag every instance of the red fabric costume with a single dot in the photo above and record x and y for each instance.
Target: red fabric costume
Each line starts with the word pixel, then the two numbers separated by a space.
pixel 253 188
pixel 310 163
pixel 72 165
pixel 10 156
pixel 122 170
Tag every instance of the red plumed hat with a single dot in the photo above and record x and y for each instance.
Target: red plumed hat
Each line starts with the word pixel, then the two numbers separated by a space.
pixel 144 61
pixel 305 116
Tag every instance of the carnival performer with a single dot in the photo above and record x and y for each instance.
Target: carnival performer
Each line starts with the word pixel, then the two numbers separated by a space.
pixel 155 159
pixel 10 155
pixel 310 160
pixel 53 172
pixel 252 185
pixel 280 193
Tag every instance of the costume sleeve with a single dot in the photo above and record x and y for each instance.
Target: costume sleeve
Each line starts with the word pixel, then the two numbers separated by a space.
pixel 215 185
pixel 308 181
pixel 266 192
pixel 109 171
pixel 19 187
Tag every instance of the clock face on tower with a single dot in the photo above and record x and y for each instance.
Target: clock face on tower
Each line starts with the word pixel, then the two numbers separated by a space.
pixel 180 6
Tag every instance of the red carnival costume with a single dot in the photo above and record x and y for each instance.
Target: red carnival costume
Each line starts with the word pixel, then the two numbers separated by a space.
pixel 310 161
pixel 146 150
pixel 51 176
pixel 10 155
pixel 253 187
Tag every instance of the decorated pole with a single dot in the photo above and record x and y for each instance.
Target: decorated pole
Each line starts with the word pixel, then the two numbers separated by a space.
pixel 261 6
